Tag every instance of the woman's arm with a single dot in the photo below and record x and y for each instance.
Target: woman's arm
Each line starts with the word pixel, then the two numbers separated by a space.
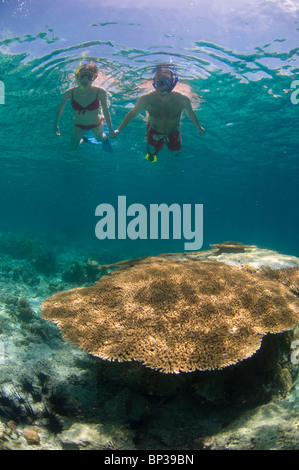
pixel 139 106
pixel 106 112
pixel 63 101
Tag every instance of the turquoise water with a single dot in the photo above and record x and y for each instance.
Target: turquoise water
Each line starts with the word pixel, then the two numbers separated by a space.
pixel 239 59
pixel 238 62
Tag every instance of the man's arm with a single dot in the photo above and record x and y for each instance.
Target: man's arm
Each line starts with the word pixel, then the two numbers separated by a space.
pixel 139 106
pixel 191 114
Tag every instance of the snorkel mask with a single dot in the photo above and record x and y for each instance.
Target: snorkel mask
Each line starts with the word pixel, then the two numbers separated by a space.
pixel 163 81
pixel 87 70
pixel 91 76
pixel 85 73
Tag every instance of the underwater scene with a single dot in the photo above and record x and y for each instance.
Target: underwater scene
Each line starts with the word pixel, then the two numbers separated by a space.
pixel 149 255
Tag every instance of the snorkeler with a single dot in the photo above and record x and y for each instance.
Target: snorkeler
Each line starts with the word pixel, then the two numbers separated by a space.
pixel 86 100
pixel 165 108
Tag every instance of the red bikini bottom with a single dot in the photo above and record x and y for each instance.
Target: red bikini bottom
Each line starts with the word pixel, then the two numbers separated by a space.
pixel 89 126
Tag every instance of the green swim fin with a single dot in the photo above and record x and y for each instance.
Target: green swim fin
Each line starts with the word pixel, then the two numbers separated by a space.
pixel 151 158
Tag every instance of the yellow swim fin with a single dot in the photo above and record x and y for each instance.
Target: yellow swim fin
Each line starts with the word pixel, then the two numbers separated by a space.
pixel 151 158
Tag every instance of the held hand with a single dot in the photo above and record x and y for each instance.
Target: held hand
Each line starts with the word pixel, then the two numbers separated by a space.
pixel 57 130
pixel 113 134
pixel 201 131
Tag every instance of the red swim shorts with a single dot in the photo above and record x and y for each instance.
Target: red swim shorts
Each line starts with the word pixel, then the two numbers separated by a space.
pixel 172 140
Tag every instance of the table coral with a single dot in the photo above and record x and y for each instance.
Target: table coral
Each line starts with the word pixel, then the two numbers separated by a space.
pixel 176 315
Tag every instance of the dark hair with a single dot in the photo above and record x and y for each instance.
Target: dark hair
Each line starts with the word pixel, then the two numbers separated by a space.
pixel 164 69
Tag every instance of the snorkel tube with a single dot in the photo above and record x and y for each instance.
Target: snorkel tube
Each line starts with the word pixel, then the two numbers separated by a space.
pixel 174 80
pixel 79 65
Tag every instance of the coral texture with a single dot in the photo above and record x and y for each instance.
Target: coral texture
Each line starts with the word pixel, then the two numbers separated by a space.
pixel 176 316
pixel 231 247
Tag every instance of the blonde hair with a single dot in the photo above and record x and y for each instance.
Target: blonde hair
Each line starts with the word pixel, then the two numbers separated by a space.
pixel 89 68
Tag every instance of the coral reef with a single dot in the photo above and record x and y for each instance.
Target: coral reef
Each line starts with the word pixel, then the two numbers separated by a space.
pixel 74 274
pixel 175 316
pixel 33 401
pixel 46 263
pixel 272 426
pixel 230 247
pixel 25 274
pixel 24 309
pixel 81 273
pixel 19 247
pixel 62 397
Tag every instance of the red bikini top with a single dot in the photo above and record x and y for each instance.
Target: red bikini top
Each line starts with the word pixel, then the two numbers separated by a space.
pixel 90 107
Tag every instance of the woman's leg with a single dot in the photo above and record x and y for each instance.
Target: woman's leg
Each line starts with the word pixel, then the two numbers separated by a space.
pixel 98 132
pixel 76 137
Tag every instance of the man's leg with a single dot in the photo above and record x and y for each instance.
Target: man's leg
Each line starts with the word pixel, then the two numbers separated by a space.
pixel 154 144
pixel 174 143
pixel 175 153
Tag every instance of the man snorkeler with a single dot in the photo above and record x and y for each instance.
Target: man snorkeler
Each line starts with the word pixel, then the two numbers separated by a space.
pixel 86 100
pixel 165 108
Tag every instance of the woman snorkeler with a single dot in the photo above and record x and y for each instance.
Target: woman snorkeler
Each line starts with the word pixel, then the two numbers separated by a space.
pixel 86 100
